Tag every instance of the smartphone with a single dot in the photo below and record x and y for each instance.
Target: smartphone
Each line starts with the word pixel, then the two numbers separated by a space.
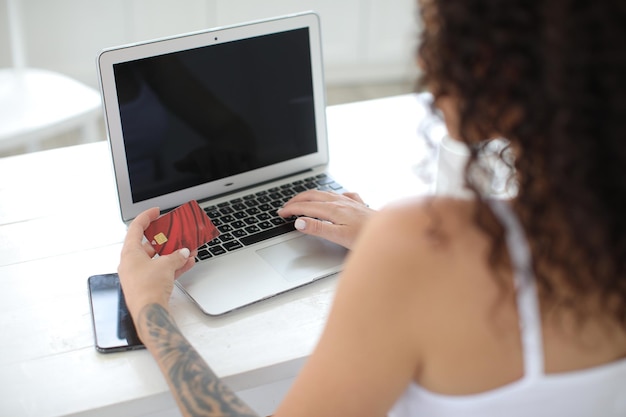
pixel 113 327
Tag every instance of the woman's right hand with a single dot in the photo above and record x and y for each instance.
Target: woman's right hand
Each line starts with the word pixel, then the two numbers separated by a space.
pixel 335 217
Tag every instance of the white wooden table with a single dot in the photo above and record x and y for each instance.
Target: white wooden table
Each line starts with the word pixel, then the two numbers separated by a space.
pixel 59 224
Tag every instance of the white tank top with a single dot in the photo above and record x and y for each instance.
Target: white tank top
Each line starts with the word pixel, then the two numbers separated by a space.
pixel 598 391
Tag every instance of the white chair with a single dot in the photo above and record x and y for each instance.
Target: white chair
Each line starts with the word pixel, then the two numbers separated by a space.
pixel 37 104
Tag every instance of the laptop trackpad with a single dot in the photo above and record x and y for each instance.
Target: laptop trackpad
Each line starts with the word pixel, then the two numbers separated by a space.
pixel 304 257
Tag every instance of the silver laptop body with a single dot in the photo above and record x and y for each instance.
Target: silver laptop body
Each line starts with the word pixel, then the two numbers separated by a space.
pixel 219 115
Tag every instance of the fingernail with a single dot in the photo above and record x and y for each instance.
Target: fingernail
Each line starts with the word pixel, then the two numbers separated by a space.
pixel 184 252
pixel 300 224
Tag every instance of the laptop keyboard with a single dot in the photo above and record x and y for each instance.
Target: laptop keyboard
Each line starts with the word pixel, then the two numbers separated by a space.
pixel 252 218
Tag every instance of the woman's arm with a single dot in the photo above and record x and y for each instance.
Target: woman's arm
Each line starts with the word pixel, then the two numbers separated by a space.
pixel 370 349
pixel 196 388
pixel 147 285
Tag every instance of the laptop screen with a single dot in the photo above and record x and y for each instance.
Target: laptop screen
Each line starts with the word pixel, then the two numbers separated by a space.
pixel 201 114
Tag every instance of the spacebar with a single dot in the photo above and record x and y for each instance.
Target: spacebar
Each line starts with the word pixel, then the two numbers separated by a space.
pixel 266 234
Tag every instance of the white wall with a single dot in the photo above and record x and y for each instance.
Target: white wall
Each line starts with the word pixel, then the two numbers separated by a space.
pixel 364 40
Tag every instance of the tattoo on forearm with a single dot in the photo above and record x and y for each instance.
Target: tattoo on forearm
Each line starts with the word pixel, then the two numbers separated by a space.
pixel 200 391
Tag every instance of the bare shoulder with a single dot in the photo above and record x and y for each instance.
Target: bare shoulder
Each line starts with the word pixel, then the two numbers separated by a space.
pixel 424 243
pixel 403 300
pixel 391 309
pixel 430 256
pixel 437 224
pixel 436 270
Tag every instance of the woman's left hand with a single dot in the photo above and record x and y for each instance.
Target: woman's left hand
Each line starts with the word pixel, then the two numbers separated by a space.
pixel 145 279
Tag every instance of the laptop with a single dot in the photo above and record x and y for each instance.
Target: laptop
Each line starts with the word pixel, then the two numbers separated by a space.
pixel 233 117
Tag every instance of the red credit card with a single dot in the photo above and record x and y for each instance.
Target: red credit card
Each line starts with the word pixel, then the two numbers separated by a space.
pixel 187 226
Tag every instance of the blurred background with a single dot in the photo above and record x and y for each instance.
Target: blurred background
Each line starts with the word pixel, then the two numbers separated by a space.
pixel 368 46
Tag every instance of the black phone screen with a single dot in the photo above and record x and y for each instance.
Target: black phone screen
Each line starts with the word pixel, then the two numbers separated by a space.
pixel 112 324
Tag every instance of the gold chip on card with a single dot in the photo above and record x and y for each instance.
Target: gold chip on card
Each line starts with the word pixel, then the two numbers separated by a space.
pixel 160 238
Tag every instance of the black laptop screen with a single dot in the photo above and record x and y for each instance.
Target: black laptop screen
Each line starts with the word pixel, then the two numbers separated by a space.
pixel 202 114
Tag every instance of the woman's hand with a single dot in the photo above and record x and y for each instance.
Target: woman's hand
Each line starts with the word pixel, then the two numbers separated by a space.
pixel 335 217
pixel 146 280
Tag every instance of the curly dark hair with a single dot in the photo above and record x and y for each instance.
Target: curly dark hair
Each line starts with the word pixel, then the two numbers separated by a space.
pixel 550 76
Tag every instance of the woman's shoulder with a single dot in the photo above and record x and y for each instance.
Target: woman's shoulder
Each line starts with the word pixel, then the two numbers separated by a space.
pixel 432 246
pixel 428 259
pixel 439 222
